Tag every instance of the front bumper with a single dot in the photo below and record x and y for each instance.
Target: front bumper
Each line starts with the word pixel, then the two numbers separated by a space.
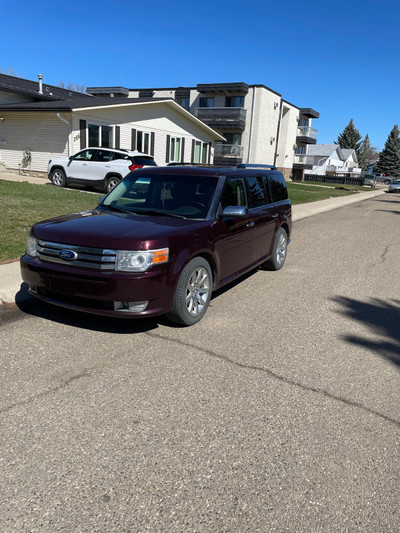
pixel 99 292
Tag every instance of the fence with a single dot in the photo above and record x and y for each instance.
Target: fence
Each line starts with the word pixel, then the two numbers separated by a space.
pixel 343 180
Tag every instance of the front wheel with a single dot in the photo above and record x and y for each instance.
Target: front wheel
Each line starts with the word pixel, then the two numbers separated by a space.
pixel 387 182
pixel 58 177
pixel 279 251
pixel 193 293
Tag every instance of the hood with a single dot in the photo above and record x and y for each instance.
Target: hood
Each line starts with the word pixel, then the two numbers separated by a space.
pixel 118 231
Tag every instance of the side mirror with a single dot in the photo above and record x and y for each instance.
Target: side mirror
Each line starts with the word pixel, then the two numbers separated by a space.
pixel 70 158
pixel 235 211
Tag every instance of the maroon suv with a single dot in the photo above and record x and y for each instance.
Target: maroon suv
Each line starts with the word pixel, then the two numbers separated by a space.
pixel 161 242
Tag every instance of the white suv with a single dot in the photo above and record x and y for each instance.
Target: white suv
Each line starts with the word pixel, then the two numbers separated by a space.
pixel 101 168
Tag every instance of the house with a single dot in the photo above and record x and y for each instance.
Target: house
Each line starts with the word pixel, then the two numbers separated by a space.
pixel 50 121
pixel 331 159
pixel 258 125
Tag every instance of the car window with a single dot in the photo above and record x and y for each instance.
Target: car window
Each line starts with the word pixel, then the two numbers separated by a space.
pixel 143 160
pixel 258 193
pixel 104 155
pixel 85 155
pixel 278 187
pixel 233 193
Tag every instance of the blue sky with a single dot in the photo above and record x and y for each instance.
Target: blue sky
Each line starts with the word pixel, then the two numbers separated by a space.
pixel 340 58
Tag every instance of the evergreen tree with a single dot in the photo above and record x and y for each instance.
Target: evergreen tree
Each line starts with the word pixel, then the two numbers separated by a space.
pixel 367 154
pixel 350 138
pixel 389 158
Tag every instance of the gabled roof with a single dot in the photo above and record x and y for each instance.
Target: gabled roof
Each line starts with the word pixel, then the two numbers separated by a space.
pixel 30 88
pixel 322 150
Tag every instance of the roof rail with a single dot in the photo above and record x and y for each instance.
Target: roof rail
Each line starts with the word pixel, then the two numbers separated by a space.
pixel 253 165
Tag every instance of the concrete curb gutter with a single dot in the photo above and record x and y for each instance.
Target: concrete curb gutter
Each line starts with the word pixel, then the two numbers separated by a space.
pixel 10 277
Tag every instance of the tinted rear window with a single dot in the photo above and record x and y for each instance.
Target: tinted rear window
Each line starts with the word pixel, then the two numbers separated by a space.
pixel 143 160
pixel 278 187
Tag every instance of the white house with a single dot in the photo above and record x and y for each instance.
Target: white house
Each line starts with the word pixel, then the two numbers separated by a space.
pixel 50 121
pixel 331 159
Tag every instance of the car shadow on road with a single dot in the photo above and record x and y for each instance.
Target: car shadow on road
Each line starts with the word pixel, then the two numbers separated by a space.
pixel 382 318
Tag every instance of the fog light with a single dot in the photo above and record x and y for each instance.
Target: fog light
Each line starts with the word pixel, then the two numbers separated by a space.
pixel 133 307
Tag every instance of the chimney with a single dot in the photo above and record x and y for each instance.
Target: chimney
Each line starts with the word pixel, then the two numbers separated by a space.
pixel 40 77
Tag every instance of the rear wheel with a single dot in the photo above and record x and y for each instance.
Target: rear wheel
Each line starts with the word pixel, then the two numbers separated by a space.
pixel 111 183
pixel 279 251
pixel 387 182
pixel 193 293
pixel 58 177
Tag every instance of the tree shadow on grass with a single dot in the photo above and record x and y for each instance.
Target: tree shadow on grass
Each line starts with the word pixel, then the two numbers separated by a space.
pixel 382 318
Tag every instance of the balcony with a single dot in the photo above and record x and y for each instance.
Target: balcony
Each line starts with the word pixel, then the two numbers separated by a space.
pixel 223 88
pixel 303 161
pixel 223 117
pixel 306 135
pixel 228 154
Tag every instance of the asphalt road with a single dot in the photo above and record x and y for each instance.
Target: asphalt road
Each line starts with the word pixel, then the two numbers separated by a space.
pixel 278 412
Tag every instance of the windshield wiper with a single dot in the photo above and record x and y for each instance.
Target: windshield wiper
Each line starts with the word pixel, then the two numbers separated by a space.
pixel 156 212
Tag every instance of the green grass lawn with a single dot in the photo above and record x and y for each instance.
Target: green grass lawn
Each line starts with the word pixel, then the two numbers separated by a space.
pixel 300 192
pixel 23 204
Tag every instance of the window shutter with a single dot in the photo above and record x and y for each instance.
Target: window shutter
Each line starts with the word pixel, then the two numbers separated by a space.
pixel 193 147
pixel 209 153
pixel 117 136
pixel 82 133
pixel 152 139
pixel 168 147
pixel 183 150
pixel 133 139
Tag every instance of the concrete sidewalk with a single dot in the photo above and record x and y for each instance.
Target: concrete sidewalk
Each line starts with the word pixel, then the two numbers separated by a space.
pixel 10 278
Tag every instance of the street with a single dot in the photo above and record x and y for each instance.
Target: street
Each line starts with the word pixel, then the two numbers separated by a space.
pixel 278 412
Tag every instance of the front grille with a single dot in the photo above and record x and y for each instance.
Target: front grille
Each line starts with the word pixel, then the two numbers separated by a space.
pixel 86 257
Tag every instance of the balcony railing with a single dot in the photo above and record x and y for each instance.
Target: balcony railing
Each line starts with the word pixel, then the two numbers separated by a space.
pixel 308 132
pixel 228 150
pixel 302 159
pixel 222 117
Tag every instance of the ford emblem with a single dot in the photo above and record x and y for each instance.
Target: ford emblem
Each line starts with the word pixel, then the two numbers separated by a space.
pixel 68 255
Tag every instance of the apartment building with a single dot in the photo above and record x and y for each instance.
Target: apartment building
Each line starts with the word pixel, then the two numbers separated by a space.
pixel 258 125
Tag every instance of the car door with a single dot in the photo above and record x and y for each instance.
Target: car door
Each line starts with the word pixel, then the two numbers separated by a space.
pixel 233 245
pixel 263 217
pixel 79 167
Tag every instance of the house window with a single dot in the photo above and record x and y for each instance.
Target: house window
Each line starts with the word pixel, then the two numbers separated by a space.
pixel 206 102
pixel 300 150
pixel 100 136
pixel 234 101
pixel 175 150
pixel 233 138
pixel 200 152
pixel 184 102
pixel 143 142
pixel 303 121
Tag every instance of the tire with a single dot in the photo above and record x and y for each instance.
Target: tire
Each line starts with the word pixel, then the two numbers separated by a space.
pixel 58 177
pixel 387 182
pixel 111 183
pixel 192 294
pixel 279 251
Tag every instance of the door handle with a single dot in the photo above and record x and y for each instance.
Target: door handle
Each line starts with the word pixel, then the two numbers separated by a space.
pixel 250 224
pixel 275 215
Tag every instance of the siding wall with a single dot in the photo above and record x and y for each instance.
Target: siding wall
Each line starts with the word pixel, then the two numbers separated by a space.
pixel 287 136
pixel 44 134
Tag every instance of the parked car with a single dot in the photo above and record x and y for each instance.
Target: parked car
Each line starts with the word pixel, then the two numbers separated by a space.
pixel 161 242
pixel 394 186
pixel 381 178
pixel 101 168
pixel 369 179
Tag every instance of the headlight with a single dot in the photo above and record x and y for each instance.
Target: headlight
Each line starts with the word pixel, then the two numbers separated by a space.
pixel 129 261
pixel 31 246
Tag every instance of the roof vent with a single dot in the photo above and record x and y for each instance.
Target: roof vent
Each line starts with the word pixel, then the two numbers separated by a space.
pixel 40 77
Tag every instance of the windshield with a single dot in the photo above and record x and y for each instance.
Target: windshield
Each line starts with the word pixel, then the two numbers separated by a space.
pixel 158 194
